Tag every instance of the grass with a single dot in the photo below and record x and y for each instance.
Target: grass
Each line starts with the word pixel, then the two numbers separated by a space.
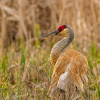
pixel 25 68
pixel 94 63
pixel 26 73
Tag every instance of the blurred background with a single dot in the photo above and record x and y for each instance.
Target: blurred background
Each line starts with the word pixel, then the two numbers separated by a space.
pixel 25 68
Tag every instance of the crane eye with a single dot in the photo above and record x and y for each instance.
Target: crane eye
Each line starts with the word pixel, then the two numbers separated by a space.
pixel 61 29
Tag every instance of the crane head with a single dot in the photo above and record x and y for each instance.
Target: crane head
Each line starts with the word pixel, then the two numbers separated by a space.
pixel 63 30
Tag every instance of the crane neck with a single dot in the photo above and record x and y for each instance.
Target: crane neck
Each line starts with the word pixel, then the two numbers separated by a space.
pixel 60 46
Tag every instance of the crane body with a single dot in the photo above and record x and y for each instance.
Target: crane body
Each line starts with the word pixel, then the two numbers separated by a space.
pixel 70 68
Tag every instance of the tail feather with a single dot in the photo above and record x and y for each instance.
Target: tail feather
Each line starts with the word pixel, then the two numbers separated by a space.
pixel 58 94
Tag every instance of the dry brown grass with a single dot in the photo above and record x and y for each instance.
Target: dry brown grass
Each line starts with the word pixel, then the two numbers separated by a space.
pixel 18 18
pixel 25 69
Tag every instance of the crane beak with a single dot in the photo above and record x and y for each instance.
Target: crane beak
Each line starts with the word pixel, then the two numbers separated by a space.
pixel 55 32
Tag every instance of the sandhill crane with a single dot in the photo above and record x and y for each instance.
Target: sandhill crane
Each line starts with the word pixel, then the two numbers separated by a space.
pixel 70 67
